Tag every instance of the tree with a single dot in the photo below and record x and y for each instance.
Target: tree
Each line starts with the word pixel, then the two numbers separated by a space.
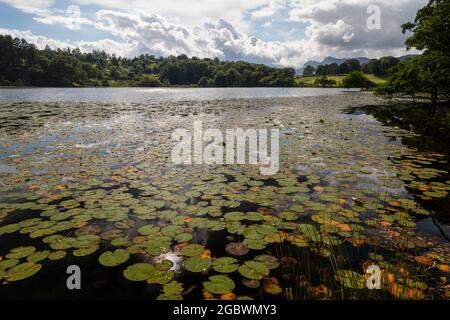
pixel 150 81
pixel 343 69
pixel 325 82
pixel 309 71
pixel 429 74
pixel 356 79
pixel 406 79
pixel 353 65
pixel 431 27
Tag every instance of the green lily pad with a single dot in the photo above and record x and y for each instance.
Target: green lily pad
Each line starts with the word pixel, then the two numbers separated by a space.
pixel 160 277
pixel 219 284
pixel 20 252
pixel 225 265
pixel 138 271
pixel 271 262
pixel 192 250
pixel 197 264
pixel 82 252
pixel 38 256
pixel 148 230
pixel 22 271
pixel 112 259
pixel 254 270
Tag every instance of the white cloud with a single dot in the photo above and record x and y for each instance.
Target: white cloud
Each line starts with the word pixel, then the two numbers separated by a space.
pixel 343 23
pixel 41 42
pixel 157 36
pixel 336 27
pixel 269 9
pixel 27 6
pixel 189 13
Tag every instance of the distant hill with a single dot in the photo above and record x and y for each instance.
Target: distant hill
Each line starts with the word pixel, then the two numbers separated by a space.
pixel 330 60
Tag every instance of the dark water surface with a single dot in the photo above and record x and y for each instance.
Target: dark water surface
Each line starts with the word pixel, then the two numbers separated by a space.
pixel 354 189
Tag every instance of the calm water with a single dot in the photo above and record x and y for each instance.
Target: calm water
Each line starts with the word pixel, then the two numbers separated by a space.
pixel 80 181
pixel 157 94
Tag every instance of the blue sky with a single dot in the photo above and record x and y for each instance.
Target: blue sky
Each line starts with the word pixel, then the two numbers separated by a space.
pixel 275 32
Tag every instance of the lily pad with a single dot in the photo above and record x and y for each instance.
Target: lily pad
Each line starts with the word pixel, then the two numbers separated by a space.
pixel 112 259
pixel 254 270
pixel 192 250
pixel 197 264
pixel 225 265
pixel 237 248
pixel 138 271
pixel 219 284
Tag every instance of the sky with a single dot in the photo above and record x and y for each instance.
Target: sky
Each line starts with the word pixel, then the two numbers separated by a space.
pixel 274 32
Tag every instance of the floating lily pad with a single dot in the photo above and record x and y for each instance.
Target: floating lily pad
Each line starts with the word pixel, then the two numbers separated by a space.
pixel 197 264
pixel 22 271
pixel 219 284
pixel 237 249
pixel 160 277
pixel 225 265
pixel 271 262
pixel 20 252
pixel 192 250
pixel 112 259
pixel 254 270
pixel 139 271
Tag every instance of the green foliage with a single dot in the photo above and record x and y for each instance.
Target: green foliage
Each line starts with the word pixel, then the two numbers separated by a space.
pixel 325 82
pixel 335 69
pixel 23 64
pixel 150 80
pixel 309 71
pixel 431 27
pixel 426 76
pixel 380 67
pixel 356 79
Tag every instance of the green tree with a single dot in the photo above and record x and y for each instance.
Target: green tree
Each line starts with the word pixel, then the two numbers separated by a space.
pixel 309 71
pixel 429 74
pixel 324 81
pixel 431 27
pixel 356 79
pixel 149 80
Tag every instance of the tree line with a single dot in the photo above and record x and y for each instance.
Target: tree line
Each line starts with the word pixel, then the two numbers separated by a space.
pixel 379 67
pixel 23 64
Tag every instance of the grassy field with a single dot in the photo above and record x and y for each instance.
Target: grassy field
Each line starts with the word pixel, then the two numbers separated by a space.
pixel 309 81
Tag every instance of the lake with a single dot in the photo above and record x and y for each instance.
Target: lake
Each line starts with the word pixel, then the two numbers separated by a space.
pixel 138 95
pixel 86 179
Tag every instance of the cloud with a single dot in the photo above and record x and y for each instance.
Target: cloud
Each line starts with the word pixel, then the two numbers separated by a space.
pixel 335 27
pixel 155 35
pixel 70 18
pixel 27 6
pixel 189 13
pixel 41 42
pixel 269 9
pixel 342 24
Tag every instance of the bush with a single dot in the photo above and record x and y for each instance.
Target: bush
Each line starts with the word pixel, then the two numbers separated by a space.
pixel 356 79
pixel 150 81
pixel 325 82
